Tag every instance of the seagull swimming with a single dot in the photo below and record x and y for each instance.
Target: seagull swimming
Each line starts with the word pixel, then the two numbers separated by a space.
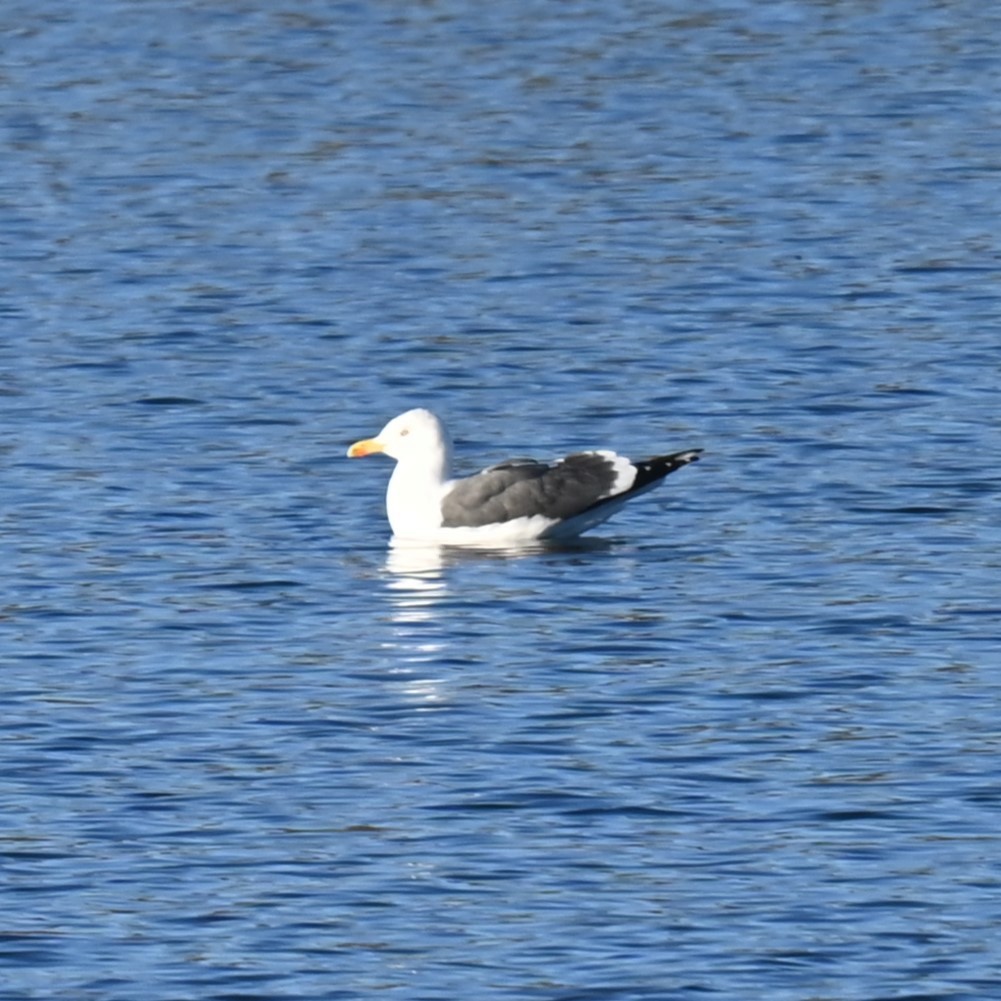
pixel 515 502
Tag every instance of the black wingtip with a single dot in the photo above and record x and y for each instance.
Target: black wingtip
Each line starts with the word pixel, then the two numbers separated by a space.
pixel 658 466
pixel 675 460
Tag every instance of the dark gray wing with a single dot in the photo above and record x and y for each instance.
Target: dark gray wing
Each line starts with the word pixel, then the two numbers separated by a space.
pixel 524 488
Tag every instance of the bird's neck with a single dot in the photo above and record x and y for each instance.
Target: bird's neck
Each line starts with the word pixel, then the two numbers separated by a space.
pixel 413 499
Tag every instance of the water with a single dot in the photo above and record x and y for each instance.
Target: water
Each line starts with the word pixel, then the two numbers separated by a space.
pixel 742 744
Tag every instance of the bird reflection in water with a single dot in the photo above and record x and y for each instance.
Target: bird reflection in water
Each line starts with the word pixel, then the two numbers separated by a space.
pixel 416 587
pixel 423 607
pixel 415 580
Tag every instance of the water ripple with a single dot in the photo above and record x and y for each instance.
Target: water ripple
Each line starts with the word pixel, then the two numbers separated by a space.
pixel 743 743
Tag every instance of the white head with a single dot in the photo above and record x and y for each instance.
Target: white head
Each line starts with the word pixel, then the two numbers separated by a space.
pixel 419 443
pixel 417 433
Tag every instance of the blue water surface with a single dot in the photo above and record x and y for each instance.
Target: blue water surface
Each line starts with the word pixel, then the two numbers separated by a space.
pixel 743 743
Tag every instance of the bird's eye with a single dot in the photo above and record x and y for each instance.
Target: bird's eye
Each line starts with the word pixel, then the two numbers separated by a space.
pixel 404 432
